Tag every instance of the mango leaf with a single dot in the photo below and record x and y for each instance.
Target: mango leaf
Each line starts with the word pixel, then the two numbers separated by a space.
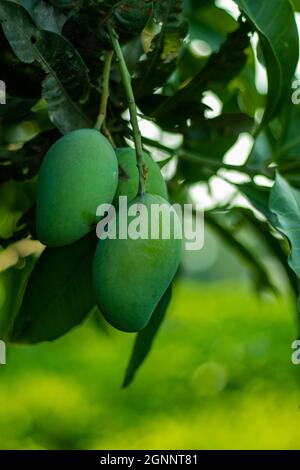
pixel 262 150
pixel 13 281
pixel 285 205
pixel 18 28
pixel 86 28
pixel 16 108
pixel 258 196
pixel 67 4
pixel 221 68
pixel 276 246
pixel 209 22
pixel 45 15
pixel 130 16
pixel 22 80
pixel 275 23
pixel 59 293
pixel 145 338
pixel 161 56
pixel 296 4
pixel 66 86
pixel 209 139
pixel 259 271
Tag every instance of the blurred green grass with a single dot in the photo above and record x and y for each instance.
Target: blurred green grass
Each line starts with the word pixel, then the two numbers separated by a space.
pixel 219 377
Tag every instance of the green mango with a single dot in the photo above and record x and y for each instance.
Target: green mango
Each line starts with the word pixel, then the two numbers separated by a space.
pixel 130 275
pixel 78 173
pixel 129 175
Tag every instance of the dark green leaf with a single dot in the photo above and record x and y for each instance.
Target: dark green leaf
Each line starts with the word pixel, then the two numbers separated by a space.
pixel 83 31
pixel 145 338
pixel 14 281
pixel 275 245
pixel 248 255
pixel 19 29
pixel 59 294
pixel 209 23
pixel 67 4
pixel 275 23
pixel 130 16
pixel 66 86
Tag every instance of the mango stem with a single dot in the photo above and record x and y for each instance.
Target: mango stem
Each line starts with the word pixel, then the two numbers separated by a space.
pixel 126 79
pixel 104 91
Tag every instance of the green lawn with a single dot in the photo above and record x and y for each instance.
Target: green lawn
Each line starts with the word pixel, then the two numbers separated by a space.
pixel 220 376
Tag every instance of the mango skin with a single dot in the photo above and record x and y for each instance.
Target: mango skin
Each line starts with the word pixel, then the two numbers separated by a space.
pixel 131 276
pixel 79 172
pixel 129 176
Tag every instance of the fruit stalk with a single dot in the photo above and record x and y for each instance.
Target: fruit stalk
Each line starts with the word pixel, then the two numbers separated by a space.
pixel 126 79
pixel 105 91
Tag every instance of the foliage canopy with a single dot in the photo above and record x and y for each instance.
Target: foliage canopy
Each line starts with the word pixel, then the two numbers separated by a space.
pixel 178 52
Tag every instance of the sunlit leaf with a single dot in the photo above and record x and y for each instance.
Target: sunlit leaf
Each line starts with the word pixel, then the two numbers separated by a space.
pixel 59 293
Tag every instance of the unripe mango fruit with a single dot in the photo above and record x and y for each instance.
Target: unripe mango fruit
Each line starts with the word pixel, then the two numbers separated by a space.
pixel 129 175
pixel 78 173
pixel 131 275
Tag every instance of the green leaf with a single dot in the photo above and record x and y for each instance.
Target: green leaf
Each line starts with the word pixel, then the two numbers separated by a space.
pixel 145 338
pixel 277 247
pixel 45 15
pixel 67 4
pixel 246 253
pixel 13 282
pixel 18 28
pixel 59 294
pixel 209 140
pixel 22 80
pixel 160 60
pixel 130 16
pixel 15 198
pixel 285 205
pixel 258 196
pixel 275 23
pixel 83 31
pixel 23 163
pixel 66 86
pixel 16 108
